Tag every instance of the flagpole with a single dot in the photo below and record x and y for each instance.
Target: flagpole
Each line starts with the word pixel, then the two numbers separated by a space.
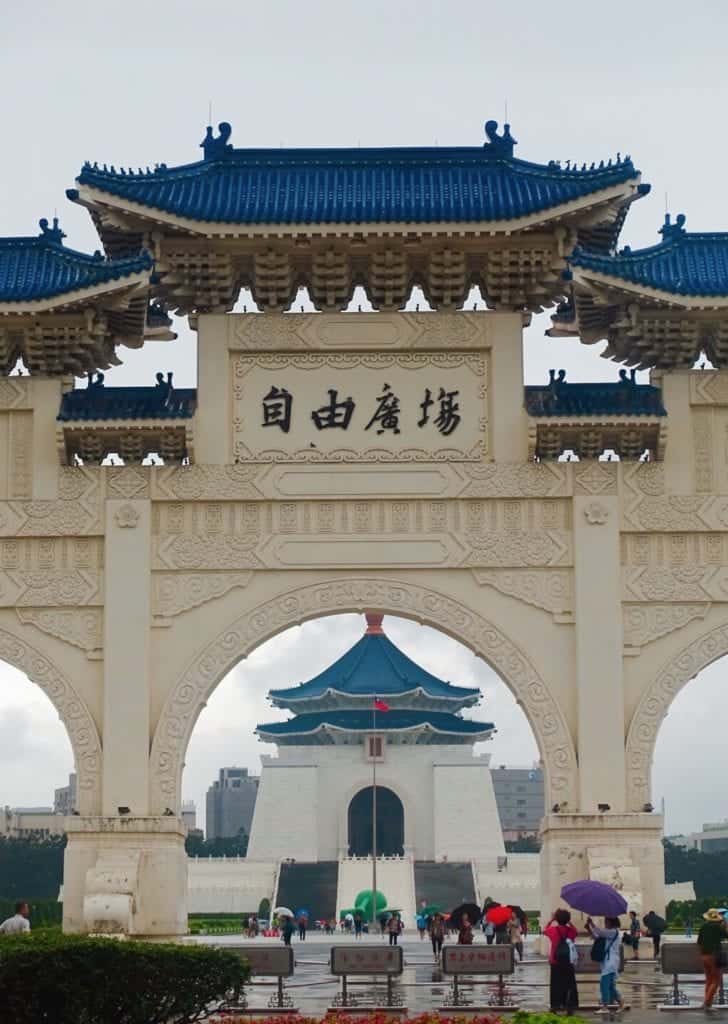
pixel 374 812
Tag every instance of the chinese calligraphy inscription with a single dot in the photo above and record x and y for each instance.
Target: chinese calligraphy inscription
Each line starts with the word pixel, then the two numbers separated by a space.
pixel 360 407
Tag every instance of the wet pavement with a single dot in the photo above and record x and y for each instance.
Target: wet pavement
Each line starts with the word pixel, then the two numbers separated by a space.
pixel 422 986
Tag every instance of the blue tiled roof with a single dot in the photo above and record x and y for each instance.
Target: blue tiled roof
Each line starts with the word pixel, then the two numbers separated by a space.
pixel 129 403
pixel 309 186
pixel 621 398
pixel 374 667
pixel 391 721
pixel 684 263
pixel 42 268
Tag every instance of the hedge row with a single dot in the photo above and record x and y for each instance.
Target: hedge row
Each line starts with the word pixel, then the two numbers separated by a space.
pixel 68 979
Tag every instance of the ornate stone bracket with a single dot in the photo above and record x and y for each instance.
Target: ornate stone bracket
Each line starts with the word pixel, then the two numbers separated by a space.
pixel 392 596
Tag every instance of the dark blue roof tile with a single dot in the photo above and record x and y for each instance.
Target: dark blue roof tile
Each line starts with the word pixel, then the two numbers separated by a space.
pixel 307 186
pixel 130 403
pixel 684 263
pixel 42 268
pixel 391 721
pixel 373 667
pixel 621 398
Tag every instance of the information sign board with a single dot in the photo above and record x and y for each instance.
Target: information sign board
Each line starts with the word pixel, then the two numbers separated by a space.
pixel 360 959
pixel 265 961
pixel 478 959
pixel 684 957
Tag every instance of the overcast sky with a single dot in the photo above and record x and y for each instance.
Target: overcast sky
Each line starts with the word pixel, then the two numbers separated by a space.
pixel 130 84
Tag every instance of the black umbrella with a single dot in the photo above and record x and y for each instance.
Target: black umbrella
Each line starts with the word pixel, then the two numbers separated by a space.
pixel 456 917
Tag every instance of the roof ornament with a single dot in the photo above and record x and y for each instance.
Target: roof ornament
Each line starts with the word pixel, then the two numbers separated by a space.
pixel 499 145
pixel 629 379
pixel 216 148
pixel 374 624
pixel 54 234
pixel 671 231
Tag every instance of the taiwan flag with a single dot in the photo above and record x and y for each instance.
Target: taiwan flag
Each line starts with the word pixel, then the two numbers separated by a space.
pixel 380 705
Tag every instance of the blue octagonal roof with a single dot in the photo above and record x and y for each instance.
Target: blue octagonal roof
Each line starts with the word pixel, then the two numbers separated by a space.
pixel 317 186
pixel 374 666
pixel 33 268
pixel 683 263
pixel 432 722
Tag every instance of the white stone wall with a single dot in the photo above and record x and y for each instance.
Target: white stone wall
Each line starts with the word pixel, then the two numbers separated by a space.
pixel 286 818
pixel 305 792
pixel 219 885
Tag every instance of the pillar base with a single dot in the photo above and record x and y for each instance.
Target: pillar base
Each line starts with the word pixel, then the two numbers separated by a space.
pixel 624 850
pixel 125 876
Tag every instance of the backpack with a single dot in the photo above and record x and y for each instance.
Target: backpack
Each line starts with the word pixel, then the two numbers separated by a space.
pixel 566 952
pixel 600 948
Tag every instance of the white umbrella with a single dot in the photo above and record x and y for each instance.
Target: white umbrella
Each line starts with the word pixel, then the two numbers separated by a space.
pixel 283 912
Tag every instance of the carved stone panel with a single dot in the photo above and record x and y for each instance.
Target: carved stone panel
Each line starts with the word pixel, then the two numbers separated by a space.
pixel 369 407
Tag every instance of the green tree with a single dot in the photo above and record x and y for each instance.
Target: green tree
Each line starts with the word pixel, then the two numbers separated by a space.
pixel 31 869
pixel 233 846
pixel 708 871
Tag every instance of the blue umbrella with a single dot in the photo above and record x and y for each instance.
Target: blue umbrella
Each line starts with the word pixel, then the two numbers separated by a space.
pixel 302 913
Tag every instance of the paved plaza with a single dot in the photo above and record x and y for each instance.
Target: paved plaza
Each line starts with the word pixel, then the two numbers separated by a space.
pixel 423 986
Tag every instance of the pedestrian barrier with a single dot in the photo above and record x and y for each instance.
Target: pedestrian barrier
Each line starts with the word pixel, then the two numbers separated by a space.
pixel 681 958
pixel 479 962
pixel 370 961
pixel 266 962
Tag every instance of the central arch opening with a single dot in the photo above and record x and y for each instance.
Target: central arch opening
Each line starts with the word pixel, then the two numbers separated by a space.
pixel 390 823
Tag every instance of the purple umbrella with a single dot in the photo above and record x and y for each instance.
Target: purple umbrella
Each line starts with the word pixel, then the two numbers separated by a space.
pixel 595 898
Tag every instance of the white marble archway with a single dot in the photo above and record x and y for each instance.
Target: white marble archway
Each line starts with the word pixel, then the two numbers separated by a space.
pixel 72 711
pixel 394 597
pixel 655 703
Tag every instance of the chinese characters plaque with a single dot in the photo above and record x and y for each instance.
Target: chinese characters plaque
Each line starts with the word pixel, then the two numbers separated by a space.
pixel 358 407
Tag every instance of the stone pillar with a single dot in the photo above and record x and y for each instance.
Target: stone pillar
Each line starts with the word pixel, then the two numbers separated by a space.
pixel 508 419
pixel 624 850
pixel 680 451
pixel 127 624
pixel 213 419
pixel 600 688
pixel 125 876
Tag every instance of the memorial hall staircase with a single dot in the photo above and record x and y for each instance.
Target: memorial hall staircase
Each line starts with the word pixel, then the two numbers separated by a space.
pixel 312 886
pixel 445 884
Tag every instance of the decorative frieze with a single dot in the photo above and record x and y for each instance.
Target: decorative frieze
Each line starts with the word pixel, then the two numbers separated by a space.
pixel 82 628
pixel 677 512
pixel 47 519
pixel 549 589
pixel 690 583
pixel 174 593
pixel 359 332
pixel 645 623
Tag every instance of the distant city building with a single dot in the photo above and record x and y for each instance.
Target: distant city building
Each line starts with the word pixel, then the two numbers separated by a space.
pixel 713 838
pixel 519 796
pixel 30 822
pixel 189 815
pixel 230 803
pixel 65 798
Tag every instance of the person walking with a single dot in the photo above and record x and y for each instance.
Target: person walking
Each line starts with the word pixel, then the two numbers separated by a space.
pixel 655 926
pixel 712 933
pixel 607 951
pixel 635 933
pixel 689 929
pixel 421 922
pixel 561 933
pixel 394 927
pixel 302 923
pixel 358 925
pixel 287 930
pixel 465 932
pixel 18 924
pixel 253 927
pixel 515 934
pixel 489 932
pixel 437 935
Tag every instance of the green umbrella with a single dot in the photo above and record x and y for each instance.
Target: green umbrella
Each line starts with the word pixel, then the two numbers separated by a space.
pixel 431 909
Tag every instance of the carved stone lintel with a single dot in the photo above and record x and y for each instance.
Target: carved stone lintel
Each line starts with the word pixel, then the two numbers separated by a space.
pixel 645 623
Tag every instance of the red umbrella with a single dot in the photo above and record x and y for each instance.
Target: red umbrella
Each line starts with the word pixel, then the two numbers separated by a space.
pixel 499 915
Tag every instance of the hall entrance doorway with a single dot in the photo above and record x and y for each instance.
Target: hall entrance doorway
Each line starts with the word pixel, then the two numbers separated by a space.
pixel 390 823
